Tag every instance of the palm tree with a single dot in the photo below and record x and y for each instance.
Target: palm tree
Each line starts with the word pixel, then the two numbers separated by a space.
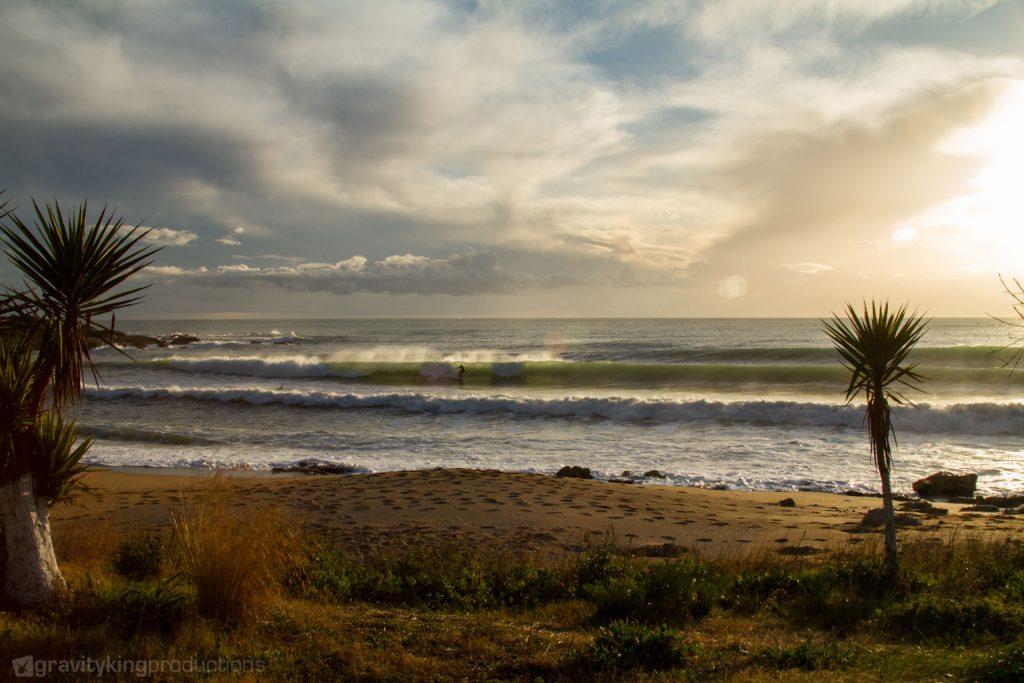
pixel 874 347
pixel 70 269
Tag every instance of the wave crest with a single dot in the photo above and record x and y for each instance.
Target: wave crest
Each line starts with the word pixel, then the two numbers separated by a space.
pixel 964 418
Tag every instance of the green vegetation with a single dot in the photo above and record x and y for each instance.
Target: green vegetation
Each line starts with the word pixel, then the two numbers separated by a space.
pixel 874 346
pixel 70 269
pixel 317 612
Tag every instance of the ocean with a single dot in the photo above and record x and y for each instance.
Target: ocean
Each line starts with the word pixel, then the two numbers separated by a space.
pixel 749 404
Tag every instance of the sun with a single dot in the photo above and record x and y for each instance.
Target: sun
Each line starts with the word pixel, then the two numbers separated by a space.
pixel 984 227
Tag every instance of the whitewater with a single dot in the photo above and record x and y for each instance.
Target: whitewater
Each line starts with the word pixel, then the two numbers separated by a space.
pixel 748 404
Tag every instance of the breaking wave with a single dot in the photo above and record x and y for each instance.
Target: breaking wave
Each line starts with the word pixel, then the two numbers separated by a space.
pixel 965 418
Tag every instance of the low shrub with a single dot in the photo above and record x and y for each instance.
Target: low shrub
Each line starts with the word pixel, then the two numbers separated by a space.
pixel 139 558
pixel 139 607
pixel 159 607
pixel 322 573
pixel 627 645
pixel 936 617
pixel 1003 666
pixel 809 656
pixel 672 591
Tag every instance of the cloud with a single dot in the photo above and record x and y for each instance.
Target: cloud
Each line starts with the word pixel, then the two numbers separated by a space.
pixel 807 268
pixel 167 237
pixel 171 271
pixel 467 272
pixel 659 142
pixel 852 181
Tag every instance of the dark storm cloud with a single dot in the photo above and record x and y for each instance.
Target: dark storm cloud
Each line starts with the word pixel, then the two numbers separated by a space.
pixel 367 120
pixel 119 162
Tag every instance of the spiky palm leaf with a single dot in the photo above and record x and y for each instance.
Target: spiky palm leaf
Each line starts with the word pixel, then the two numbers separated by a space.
pixel 58 465
pixel 874 346
pixel 18 414
pixel 71 269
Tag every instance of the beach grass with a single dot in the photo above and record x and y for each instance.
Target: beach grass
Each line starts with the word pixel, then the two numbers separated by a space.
pixel 280 607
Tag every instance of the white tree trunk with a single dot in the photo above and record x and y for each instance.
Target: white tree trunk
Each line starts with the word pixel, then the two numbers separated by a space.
pixel 31 577
pixel 892 556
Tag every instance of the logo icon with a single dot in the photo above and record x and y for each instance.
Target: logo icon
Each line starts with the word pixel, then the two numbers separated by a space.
pixel 24 667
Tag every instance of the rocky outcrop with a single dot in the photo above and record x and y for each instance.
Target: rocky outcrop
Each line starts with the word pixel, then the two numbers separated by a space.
pixel 125 340
pixel 787 503
pixel 314 467
pixel 876 517
pixel 946 485
pixel 575 472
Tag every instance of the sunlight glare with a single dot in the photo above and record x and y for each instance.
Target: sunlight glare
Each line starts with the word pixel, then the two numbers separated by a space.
pixel 985 227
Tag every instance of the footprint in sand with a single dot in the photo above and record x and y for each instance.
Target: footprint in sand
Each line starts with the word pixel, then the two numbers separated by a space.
pixel 705 540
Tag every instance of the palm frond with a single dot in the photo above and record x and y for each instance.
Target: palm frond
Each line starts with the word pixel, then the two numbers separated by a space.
pixel 72 270
pixel 58 467
pixel 874 345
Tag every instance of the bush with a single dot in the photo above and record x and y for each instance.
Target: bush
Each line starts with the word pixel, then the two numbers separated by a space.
pixel 840 594
pixel 139 607
pixel 810 657
pixel 1005 666
pixel 673 591
pixel 436 578
pixel 159 607
pixel 931 616
pixel 323 573
pixel 139 558
pixel 627 645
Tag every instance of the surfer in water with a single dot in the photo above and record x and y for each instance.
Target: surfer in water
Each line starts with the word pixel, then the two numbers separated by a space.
pixel 462 371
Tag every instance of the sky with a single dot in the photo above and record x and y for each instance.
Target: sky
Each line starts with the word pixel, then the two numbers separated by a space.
pixel 525 158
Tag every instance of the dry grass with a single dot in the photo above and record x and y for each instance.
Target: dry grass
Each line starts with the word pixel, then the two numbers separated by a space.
pixel 234 560
pixel 433 614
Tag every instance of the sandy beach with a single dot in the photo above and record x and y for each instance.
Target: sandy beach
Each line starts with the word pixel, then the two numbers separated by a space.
pixel 518 512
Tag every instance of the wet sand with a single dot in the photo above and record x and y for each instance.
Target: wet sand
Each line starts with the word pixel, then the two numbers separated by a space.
pixel 517 512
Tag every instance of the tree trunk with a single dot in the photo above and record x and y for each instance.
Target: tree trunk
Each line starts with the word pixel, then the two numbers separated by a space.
pixel 31 576
pixel 892 558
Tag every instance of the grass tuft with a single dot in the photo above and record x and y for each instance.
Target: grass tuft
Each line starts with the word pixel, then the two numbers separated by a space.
pixel 234 561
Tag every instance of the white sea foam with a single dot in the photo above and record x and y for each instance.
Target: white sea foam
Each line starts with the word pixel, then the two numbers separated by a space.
pixel 979 418
pixel 253 366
